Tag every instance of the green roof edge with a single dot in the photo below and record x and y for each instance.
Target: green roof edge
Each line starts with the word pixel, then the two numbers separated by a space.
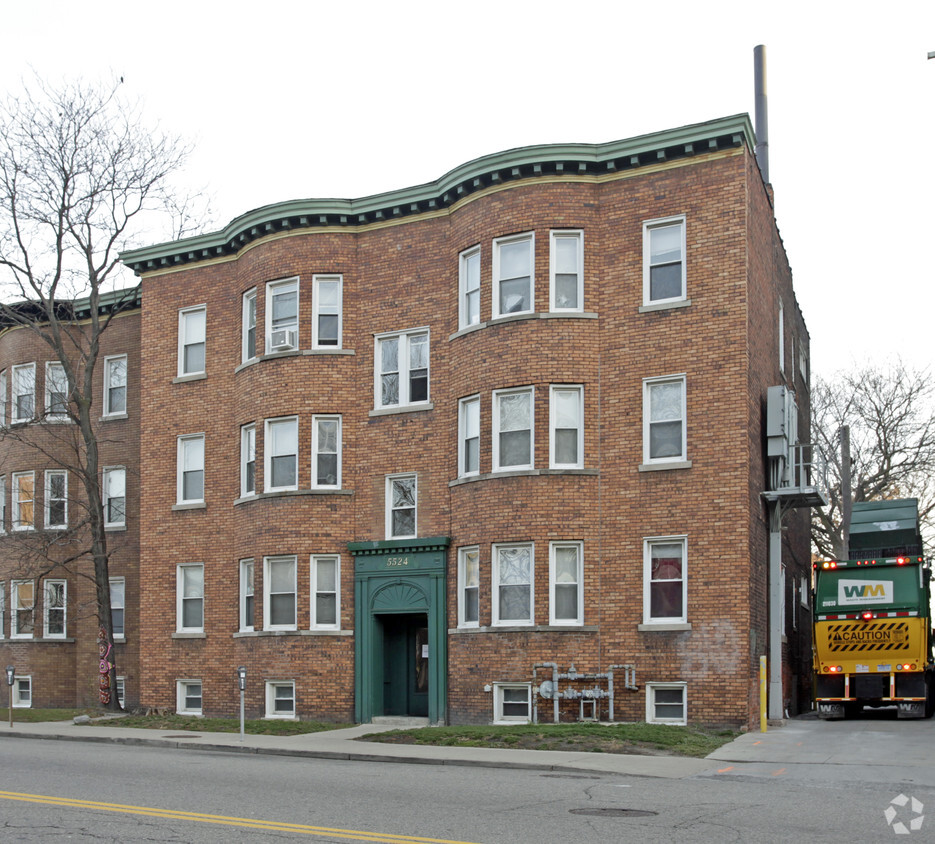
pixel 519 157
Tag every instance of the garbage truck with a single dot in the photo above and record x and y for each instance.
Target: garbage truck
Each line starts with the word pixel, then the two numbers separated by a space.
pixel 873 637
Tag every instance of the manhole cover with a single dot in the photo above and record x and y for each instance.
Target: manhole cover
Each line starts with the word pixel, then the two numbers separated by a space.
pixel 614 813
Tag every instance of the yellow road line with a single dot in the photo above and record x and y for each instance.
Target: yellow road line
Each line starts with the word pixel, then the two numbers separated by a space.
pixel 250 823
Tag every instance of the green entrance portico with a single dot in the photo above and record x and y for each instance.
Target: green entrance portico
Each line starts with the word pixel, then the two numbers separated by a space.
pixel 400 629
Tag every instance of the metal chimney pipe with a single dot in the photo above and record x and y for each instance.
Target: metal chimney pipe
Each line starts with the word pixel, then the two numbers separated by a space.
pixel 761 122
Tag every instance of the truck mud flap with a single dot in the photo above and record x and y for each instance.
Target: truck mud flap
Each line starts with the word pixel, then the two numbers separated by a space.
pixel 910 710
pixel 830 711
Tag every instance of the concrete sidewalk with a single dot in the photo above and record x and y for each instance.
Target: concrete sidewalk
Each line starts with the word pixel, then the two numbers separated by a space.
pixel 341 744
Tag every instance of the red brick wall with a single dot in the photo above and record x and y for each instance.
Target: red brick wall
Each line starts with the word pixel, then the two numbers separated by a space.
pixel 65 672
pixel 403 276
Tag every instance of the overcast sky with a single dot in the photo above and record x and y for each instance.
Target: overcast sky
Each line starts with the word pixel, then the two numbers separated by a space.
pixel 312 99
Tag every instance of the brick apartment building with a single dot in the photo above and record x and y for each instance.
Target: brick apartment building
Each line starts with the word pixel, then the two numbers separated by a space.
pixel 48 604
pixel 416 453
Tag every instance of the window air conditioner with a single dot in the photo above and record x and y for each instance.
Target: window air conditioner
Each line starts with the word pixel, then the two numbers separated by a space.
pixel 283 340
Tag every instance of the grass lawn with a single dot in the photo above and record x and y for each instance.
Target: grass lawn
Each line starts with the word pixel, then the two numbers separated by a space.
pixel 640 738
pixel 32 716
pixel 257 727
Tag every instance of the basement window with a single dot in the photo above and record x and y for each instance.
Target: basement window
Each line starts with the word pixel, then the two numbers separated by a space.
pixel 666 703
pixel 511 703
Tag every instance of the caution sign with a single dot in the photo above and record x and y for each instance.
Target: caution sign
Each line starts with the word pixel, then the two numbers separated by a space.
pixel 868 637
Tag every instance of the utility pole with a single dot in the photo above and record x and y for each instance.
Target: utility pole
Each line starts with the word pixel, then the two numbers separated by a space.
pixel 845 435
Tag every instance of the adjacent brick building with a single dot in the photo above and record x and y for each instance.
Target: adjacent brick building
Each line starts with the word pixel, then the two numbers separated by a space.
pixel 48 606
pixel 414 454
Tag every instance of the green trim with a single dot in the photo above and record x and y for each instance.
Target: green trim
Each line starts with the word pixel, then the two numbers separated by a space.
pixel 531 162
pixel 398 546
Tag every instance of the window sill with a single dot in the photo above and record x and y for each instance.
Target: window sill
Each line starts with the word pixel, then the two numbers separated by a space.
pixel 664 306
pixel 195 505
pixel 520 473
pixel 470 329
pixel 321 350
pixel 178 635
pixel 195 376
pixel 260 634
pixel 661 467
pixel 665 627
pixel 406 408
pixel 114 417
pixel 115 528
pixel 526 628
pixel 56 639
pixel 286 493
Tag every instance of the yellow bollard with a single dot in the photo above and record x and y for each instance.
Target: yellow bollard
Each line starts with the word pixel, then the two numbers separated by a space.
pixel 762 694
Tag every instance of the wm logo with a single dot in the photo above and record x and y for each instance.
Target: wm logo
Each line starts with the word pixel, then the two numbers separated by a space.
pixel 867 590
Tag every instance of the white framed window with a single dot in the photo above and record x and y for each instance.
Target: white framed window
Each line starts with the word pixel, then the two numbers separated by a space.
pixel 666 703
pixel 566 580
pixel 512 703
pixel 469 586
pixel 401 501
pixel 469 287
pixel 121 691
pixel 282 315
pixel 566 270
pixel 23 609
pixel 248 460
pixel 188 697
pixel 401 376
pixel 115 385
pixel 24 392
pixel 326 452
pixel 56 391
pixel 22 692
pixel 247 605
pixel 781 327
pixel 280 698
pixel 664 580
pixel 192 337
pixel 566 427
pixel 56 499
pixel 248 327
pixel 190 598
pixel 469 436
pixel 513 446
pixel 327 307
pixel 325 592
pixel 2 610
pixel 3 399
pixel 191 469
pixel 24 501
pixel 115 496
pixel 513 283
pixel 513 577
pixel 281 454
pixel 664 412
pixel 804 591
pixel 279 593
pixel 118 604
pixel 54 600
pixel 664 260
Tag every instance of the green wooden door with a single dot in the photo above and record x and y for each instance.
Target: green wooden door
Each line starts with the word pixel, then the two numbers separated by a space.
pixel 405 664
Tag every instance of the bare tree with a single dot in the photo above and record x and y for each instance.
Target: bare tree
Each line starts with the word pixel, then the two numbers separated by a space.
pixel 79 173
pixel 890 413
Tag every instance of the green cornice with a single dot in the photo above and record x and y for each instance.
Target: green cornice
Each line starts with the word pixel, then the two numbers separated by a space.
pixel 526 163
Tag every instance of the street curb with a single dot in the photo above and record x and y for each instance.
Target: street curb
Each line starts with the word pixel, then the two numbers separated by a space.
pixel 320 754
